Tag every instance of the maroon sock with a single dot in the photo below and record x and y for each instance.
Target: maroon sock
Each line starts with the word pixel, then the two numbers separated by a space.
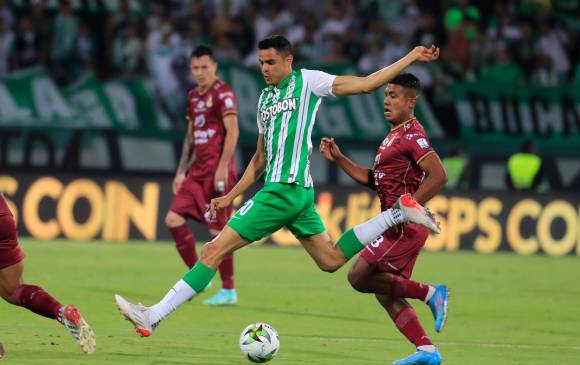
pixel 185 244
pixel 36 300
pixel 227 272
pixel 408 323
pixel 404 288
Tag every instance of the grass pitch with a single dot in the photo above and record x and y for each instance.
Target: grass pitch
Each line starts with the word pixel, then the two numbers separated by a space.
pixel 504 309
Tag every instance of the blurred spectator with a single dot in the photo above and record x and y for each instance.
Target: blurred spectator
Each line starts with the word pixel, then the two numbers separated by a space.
pixel 374 58
pixel 525 47
pixel 224 50
pixel 27 50
pixel 85 47
pixel 525 169
pixel 63 42
pixel 457 169
pixel 128 51
pixel 6 14
pixel 552 42
pixel 543 73
pixel 6 41
pixel 503 70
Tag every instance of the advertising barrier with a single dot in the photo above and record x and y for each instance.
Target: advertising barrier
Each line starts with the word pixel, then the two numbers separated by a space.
pixel 123 208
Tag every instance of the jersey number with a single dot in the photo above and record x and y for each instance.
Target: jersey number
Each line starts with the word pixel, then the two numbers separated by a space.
pixel 247 206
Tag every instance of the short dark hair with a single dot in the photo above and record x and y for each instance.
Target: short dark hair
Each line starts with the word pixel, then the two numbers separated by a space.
pixel 202 50
pixel 278 42
pixel 408 81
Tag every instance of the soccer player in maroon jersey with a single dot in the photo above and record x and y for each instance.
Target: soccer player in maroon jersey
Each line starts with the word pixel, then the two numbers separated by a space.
pixel 405 165
pixel 206 169
pixel 14 291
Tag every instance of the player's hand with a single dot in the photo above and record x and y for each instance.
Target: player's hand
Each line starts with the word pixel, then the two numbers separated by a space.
pixel 177 182
pixel 329 149
pixel 425 54
pixel 220 178
pixel 219 203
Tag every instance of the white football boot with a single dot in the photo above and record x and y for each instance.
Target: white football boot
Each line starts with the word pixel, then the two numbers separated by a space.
pixel 137 314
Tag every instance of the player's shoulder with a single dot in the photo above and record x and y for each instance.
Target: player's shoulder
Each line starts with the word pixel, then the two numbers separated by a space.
pixel 413 128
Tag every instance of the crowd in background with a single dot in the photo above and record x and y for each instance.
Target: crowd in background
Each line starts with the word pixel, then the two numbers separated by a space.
pixel 513 41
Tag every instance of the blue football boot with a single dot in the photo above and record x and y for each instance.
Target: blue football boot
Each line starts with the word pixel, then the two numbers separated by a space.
pixel 420 358
pixel 223 297
pixel 438 305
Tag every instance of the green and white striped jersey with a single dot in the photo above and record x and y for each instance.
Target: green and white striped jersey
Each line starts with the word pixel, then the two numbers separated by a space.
pixel 286 114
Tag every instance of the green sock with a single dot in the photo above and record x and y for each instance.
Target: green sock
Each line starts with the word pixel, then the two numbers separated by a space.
pixel 349 244
pixel 198 277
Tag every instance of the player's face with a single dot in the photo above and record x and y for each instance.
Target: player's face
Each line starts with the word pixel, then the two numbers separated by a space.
pixel 274 66
pixel 203 70
pixel 399 103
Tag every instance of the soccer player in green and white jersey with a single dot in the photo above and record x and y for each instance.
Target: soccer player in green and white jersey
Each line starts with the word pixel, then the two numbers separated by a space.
pixel 286 113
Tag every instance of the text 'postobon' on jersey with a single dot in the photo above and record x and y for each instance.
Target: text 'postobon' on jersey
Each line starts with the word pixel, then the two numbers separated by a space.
pixel 286 114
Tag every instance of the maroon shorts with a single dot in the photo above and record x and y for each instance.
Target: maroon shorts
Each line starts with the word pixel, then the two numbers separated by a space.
pixel 397 249
pixel 10 252
pixel 193 198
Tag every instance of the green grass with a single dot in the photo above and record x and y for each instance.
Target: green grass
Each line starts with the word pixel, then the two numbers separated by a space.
pixel 505 309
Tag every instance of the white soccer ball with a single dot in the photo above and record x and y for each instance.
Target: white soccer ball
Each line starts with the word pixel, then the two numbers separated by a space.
pixel 259 342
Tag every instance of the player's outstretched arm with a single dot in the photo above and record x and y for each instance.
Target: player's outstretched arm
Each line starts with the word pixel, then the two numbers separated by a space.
pixel 185 159
pixel 435 178
pixel 352 85
pixel 253 171
pixel 329 149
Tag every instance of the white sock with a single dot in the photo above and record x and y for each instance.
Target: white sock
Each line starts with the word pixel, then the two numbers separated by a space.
pixel 368 231
pixel 429 293
pixel 427 348
pixel 176 296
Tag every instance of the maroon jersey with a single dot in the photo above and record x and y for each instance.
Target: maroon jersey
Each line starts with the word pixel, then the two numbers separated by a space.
pixel 206 112
pixel 396 170
pixel 4 206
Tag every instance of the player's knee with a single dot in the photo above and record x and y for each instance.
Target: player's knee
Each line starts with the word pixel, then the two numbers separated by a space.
pixel 330 266
pixel 356 280
pixel 173 220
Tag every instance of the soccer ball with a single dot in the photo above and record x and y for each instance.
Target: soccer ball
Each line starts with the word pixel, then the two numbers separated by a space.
pixel 259 342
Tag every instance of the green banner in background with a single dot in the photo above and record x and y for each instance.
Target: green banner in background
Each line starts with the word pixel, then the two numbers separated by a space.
pixel 493 112
pixel 32 98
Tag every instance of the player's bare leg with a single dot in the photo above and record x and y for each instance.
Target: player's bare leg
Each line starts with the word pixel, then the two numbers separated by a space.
pixel 35 299
pixel 146 319
pixel 324 251
pixel 227 294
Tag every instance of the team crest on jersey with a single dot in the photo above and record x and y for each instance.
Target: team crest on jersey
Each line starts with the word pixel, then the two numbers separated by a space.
pixel 388 142
pixel 279 107
pixel 200 106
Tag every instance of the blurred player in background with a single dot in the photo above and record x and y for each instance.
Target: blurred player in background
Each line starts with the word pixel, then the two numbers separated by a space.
pixel 405 163
pixel 206 168
pixel 286 114
pixel 14 291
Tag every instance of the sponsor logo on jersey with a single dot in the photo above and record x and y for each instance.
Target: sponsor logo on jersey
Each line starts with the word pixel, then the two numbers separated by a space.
pixel 203 136
pixel 278 107
pixel 422 142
